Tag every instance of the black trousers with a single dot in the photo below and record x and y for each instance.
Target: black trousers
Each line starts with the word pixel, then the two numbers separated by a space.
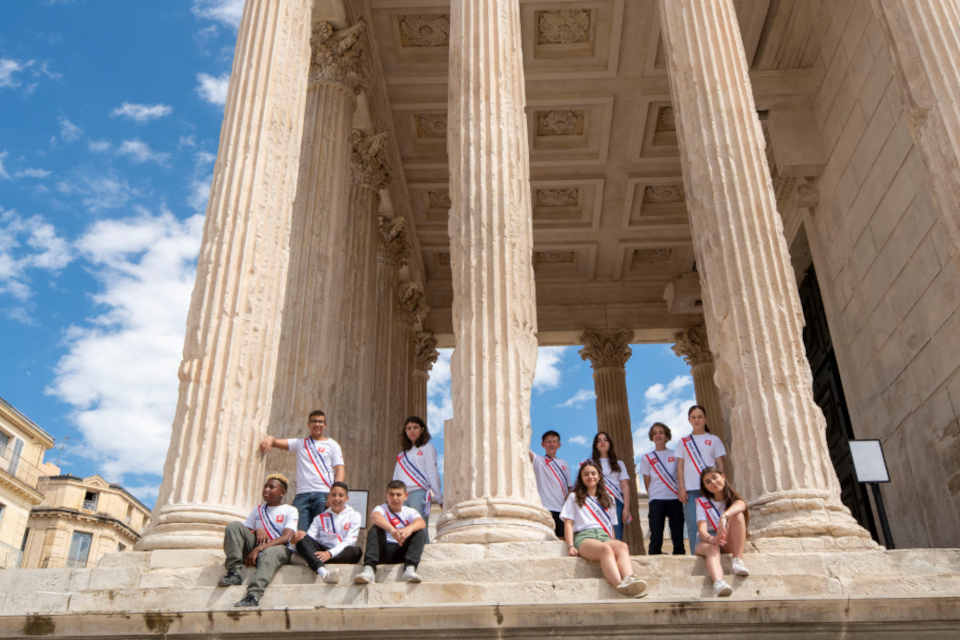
pixel 557 524
pixel 659 511
pixel 379 551
pixel 308 546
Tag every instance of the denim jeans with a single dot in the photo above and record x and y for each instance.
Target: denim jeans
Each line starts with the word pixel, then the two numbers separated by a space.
pixel 309 505
pixel 690 516
pixel 618 528
pixel 417 499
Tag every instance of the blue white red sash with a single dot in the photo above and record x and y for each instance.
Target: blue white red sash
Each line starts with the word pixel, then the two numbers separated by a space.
pixel 694 453
pixel 272 531
pixel 711 512
pixel 395 520
pixel 324 517
pixel 323 469
pixel 600 515
pixel 660 469
pixel 613 488
pixel 408 467
pixel 558 473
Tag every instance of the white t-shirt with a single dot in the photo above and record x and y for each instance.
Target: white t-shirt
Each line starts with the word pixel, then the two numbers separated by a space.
pixel 714 510
pixel 400 520
pixel 336 531
pixel 417 468
pixel 661 468
pixel 278 518
pixel 589 516
pixel 612 478
pixel 554 481
pixel 708 448
pixel 315 462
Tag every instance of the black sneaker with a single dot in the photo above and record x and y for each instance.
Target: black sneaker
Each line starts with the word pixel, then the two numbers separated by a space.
pixel 231 578
pixel 249 600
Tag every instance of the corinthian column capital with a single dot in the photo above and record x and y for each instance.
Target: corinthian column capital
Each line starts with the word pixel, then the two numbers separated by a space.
pixel 393 237
pixel 692 345
pixel 425 351
pixel 368 159
pixel 413 301
pixel 337 56
pixel 606 347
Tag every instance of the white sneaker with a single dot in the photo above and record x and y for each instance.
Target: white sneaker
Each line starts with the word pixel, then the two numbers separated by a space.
pixel 367 576
pixel 330 576
pixel 739 569
pixel 721 588
pixel 632 586
pixel 410 575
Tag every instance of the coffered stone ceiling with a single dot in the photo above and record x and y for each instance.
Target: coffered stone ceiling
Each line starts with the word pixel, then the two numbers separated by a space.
pixel 610 221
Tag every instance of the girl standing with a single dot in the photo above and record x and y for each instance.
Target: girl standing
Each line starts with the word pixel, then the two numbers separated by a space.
pixel 615 478
pixel 588 520
pixel 417 467
pixel 722 521
pixel 659 470
pixel 699 450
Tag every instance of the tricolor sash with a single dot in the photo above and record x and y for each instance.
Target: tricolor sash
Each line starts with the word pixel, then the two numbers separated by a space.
pixel 323 469
pixel 660 469
pixel 558 473
pixel 711 512
pixel 394 519
pixel 694 453
pixel 409 468
pixel 272 531
pixel 333 524
pixel 599 514
pixel 614 488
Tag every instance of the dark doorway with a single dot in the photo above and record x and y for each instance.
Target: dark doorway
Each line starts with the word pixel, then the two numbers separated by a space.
pixel 828 393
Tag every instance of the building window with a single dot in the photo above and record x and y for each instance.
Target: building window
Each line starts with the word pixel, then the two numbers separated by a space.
pixel 4 439
pixel 23 544
pixel 3 508
pixel 129 513
pixel 90 500
pixel 79 549
pixel 121 546
pixel 15 456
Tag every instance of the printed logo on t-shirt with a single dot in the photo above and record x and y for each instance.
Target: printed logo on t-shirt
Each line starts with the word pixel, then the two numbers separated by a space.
pixel 346 527
pixel 671 459
pixel 707 442
pixel 322 450
pixel 419 453
pixel 280 518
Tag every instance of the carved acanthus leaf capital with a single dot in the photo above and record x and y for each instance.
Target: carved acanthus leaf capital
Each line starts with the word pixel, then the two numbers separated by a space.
pixel 393 236
pixel 413 302
pixel 606 347
pixel 337 55
pixel 692 345
pixel 369 159
pixel 426 350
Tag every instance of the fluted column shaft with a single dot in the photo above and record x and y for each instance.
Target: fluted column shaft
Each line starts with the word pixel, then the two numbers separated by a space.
pixel 489 480
pixel 924 37
pixel 608 352
pixel 212 473
pixel 751 304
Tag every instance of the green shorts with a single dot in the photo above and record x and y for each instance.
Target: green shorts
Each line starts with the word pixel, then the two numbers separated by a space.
pixel 594 533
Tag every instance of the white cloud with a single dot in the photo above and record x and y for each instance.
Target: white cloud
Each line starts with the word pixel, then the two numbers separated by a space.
pixel 667 403
pixel 579 439
pixel 439 401
pixel 99 146
pixel 98 191
pixel 213 89
pixel 141 112
pixel 32 173
pixel 119 372
pixel 227 12
pixel 579 399
pixel 199 188
pixel 548 374
pixel 659 392
pixel 186 141
pixel 69 131
pixel 3 169
pixel 27 244
pixel 8 68
pixel 140 152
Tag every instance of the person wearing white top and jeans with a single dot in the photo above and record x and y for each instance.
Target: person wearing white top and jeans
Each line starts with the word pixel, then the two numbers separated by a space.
pixel 554 480
pixel 696 452
pixel 417 467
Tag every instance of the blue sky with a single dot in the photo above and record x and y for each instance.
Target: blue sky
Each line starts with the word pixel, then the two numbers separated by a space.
pixel 110 114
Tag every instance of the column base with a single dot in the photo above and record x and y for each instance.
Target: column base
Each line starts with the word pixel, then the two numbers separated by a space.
pixel 489 520
pixel 806 514
pixel 188 527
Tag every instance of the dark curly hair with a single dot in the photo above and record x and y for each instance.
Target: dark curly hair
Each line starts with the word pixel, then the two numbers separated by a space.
pixel 424 438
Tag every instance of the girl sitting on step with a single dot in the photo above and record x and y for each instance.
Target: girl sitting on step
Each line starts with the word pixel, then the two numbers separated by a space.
pixel 588 518
pixel 722 520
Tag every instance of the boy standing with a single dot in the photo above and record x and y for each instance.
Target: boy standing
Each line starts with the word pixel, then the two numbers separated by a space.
pixel 397 535
pixel 319 465
pixel 332 537
pixel 553 478
pixel 260 541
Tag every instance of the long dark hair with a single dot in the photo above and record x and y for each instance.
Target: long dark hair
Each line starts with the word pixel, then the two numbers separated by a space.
pixel 580 489
pixel 729 494
pixel 611 453
pixel 424 438
pixel 706 427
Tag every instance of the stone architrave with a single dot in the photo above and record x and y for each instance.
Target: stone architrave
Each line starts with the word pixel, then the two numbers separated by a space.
pixel 608 352
pixel 424 355
pixel 694 347
pixel 489 480
pixel 924 38
pixel 212 474
pixel 316 307
pixel 751 304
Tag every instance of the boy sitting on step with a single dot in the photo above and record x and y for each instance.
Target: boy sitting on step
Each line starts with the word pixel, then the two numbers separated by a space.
pixel 397 535
pixel 260 541
pixel 332 536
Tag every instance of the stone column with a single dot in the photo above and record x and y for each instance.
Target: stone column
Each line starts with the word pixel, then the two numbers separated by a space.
pixel 316 306
pixel 608 352
pixel 751 304
pixel 425 354
pixel 212 473
pixel 924 38
pixel 692 345
pixel 489 480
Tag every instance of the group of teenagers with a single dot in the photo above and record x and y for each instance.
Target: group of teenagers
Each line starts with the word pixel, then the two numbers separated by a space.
pixel 321 526
pixel 685 484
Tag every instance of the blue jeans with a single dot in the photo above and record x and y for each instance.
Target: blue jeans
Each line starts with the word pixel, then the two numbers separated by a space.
pixel 418 500
pixel 690 517
pixel 618 528
pixel 309 505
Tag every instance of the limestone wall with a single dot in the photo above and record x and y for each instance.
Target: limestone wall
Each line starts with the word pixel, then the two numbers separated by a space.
pixel 890 277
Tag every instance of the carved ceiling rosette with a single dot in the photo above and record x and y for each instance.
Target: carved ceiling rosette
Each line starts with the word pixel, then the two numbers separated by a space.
pixel 393 237
pixel 368 159
pixel 337 56
pixel 606 347
pixel 425 350
pixel 692 345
